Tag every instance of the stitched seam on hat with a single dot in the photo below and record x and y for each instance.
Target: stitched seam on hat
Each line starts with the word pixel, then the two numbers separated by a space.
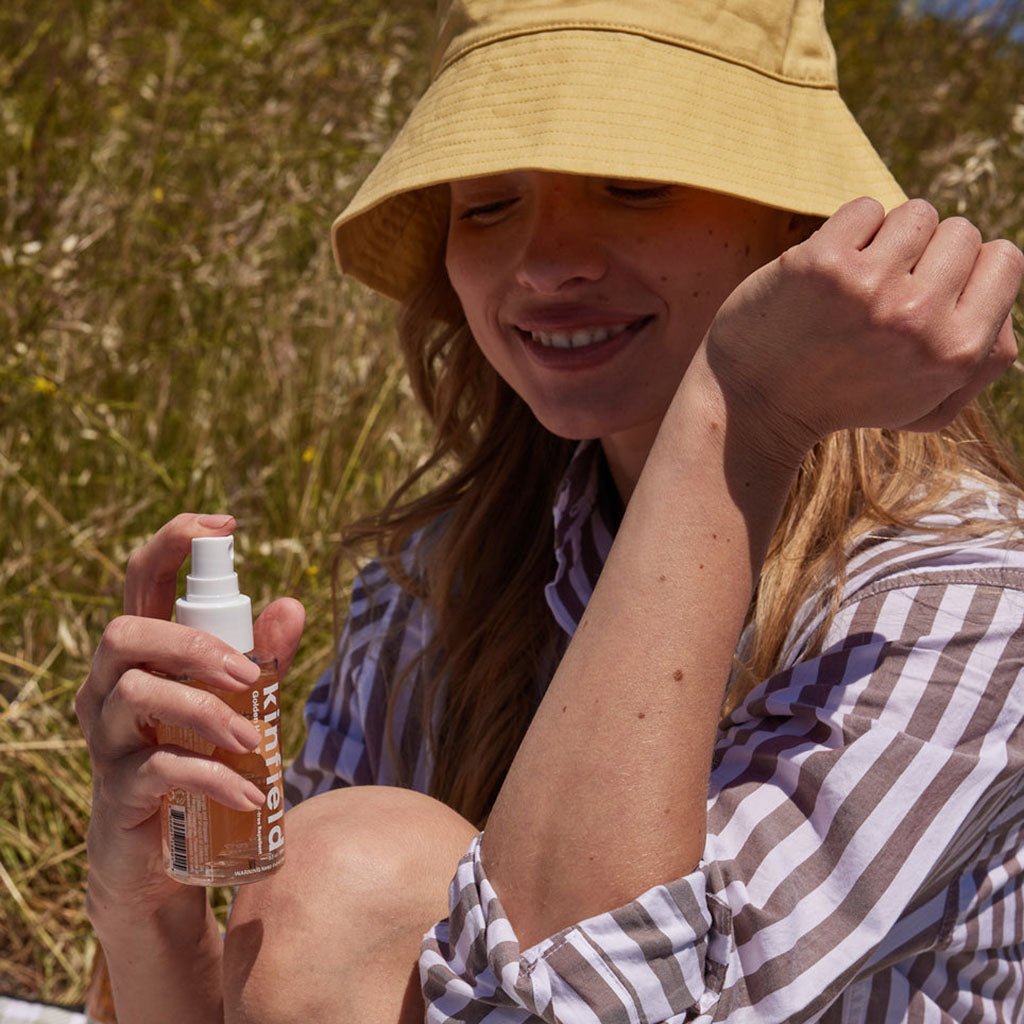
pixel 635 30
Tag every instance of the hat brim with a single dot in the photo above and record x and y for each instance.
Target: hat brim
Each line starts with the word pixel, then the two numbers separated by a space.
pixel 608 104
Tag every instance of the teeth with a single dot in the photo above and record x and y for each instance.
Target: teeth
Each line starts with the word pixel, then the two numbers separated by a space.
pixel 577 339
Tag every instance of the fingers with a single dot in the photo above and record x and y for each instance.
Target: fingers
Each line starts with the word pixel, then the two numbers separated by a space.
pixel 947 263
pixel 994 283
pixel 139 702
pixel 158 646
pixel 905 235
pixel 985 301
pixel 898 238
pixel 278 630
pixel 135 783
pixel 950 288
pixel 854 224
pixel 999 360
pixel 151 581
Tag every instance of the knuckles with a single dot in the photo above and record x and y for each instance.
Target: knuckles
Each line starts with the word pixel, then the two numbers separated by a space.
pixel 1005 350
pixel 1010 254
pixel 917 344
pixel 866 209
pixel 83 705
pixel 912 316
pixel 132 689
pixel 127 637
pixel 967 234
pixel 120 633
pixel 135 561
pixel 962 360
pixel 919 210
pixel 195 646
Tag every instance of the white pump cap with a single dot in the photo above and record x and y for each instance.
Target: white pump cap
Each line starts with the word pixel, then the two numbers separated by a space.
pixel 212 601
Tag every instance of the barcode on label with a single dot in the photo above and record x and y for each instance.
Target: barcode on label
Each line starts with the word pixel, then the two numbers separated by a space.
pixel 179 841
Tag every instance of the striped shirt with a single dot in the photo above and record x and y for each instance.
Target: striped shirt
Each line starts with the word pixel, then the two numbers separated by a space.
pixel 864 858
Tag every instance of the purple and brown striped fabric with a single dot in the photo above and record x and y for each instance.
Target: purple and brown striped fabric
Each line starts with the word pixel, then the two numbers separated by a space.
pixel 865 813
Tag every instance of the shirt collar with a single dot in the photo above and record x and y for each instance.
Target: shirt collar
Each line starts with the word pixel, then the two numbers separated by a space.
pixel 586 515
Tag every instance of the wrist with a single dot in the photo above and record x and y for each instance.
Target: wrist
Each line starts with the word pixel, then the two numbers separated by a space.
pixel 715 412
pixel 179 914
pixel 760 423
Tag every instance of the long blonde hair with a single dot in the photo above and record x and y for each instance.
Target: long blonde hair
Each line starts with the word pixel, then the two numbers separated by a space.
pixel 483 573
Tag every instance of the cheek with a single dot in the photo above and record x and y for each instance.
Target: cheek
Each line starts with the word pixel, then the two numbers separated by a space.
pixel 453 265
pixel 468 273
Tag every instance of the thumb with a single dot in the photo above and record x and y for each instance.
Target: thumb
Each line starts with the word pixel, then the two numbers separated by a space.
pixel 278 630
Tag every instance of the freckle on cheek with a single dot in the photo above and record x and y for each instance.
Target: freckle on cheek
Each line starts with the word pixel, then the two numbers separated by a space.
pixel 677 675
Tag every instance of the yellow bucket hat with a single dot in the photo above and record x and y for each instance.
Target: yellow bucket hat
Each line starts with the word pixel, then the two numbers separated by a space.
pixel 735 96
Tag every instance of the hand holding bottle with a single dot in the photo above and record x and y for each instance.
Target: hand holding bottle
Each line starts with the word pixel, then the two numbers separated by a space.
pixel 130 689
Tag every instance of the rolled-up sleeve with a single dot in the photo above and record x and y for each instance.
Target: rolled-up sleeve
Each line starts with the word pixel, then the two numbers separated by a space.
pixel 849 795
pixel 668 947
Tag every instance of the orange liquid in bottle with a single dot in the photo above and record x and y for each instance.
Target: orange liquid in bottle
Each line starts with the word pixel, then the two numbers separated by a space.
pixel 206 843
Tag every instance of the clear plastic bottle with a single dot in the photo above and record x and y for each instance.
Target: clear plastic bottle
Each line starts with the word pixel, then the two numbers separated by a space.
pixel 206 843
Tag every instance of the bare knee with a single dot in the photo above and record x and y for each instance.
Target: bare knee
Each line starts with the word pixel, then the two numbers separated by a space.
pixel 335 934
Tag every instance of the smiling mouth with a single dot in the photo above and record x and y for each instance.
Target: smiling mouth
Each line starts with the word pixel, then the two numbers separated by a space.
pixel 581 337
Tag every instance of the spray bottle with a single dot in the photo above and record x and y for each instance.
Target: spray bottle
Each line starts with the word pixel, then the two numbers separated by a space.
pixel 205 843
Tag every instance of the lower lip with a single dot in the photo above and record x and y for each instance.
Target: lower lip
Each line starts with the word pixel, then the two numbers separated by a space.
pixel 586 357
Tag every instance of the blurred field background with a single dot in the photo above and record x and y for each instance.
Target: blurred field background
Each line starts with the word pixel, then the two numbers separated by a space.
pixel 173 335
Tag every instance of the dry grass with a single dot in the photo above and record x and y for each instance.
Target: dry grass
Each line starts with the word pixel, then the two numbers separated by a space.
pixel 175 336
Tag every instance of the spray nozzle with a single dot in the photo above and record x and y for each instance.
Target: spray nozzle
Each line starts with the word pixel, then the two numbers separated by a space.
pixel 212 575
pixel 212 600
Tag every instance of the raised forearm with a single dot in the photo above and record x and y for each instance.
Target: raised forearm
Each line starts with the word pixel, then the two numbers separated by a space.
pixel 607 794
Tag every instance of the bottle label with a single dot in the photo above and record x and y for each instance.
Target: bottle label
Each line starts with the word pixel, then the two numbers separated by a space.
pixel 206 843
pixel 179 839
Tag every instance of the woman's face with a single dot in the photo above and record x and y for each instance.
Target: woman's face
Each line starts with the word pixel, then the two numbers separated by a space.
pixel 589 296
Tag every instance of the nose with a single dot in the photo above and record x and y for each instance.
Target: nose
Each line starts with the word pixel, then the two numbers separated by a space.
pixel 560 247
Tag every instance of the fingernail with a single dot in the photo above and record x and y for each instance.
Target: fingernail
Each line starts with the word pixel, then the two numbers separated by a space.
pixel 239 666
pixel 250 794
pixel 245 732
pixel 214 522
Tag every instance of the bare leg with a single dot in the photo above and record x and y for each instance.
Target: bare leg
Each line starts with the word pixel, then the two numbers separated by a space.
pixel 334 936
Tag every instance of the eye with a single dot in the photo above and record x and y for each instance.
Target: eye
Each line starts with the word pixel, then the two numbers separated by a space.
pixel 639 193
pixel 485 212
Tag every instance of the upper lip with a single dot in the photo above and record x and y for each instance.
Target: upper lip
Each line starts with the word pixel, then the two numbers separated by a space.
pixel 572 318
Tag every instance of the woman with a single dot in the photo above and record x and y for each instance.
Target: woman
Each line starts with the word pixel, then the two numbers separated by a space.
pixel 601 229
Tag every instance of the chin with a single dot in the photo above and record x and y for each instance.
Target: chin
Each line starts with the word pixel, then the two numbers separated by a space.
pixel 586 426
